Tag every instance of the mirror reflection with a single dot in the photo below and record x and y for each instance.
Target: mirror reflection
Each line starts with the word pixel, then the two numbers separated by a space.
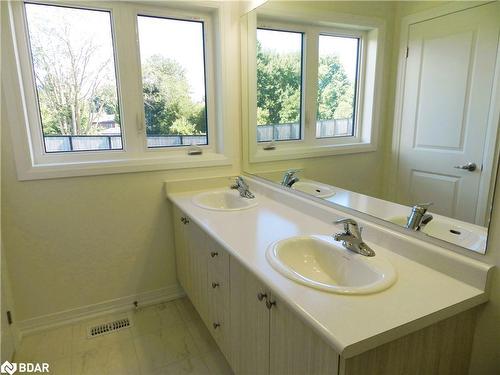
pixel 388 108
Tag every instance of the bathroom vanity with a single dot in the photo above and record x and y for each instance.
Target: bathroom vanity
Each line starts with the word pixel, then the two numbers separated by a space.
pixel 265 323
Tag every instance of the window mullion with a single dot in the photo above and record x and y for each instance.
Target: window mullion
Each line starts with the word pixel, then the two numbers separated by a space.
pixel 311 84
pixel 129 73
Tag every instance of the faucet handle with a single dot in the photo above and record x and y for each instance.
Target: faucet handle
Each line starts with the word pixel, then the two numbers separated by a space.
pixel 422 207
pixel 350 225
pixel 238 181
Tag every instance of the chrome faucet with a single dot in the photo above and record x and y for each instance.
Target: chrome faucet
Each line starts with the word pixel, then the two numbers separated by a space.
pixel 351 238
pixel 418 216
pixel 242 187
pixel 290 177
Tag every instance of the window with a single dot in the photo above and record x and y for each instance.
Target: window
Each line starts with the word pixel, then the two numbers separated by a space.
pixel 337 81
pixel 173 79
pixel 74 69
pixel 118 86
pixel 279 85
pixel 314 86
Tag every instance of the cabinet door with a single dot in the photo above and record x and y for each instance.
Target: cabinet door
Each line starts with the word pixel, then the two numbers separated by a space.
pixel 180 249
pixel 249 323
pixel 218 296
pixel 295 348
pixel 196 262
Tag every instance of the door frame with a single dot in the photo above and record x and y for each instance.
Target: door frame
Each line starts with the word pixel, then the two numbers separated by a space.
pixel 490 157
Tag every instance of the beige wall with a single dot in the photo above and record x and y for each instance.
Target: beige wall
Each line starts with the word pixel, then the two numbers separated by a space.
pixel 74 242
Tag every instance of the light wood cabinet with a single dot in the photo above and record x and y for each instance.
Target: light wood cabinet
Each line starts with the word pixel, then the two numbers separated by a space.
pixel 203 272
pixel 268 338
pixel 249 323
pixel 191 259
pixel 259 334
pixel 219 295
pixel 295 349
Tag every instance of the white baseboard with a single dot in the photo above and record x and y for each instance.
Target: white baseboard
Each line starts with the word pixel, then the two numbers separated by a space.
pixel 117 305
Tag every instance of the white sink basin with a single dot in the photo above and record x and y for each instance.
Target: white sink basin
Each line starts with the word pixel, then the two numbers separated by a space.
pixel 314 188
pixel 450 232
pixel 225 200
pixel 322 263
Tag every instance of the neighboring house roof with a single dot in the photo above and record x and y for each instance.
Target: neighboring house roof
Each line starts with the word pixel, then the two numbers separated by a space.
pixel 111 131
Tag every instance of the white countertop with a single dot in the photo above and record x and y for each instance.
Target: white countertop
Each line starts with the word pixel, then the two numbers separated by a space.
pixel 351 324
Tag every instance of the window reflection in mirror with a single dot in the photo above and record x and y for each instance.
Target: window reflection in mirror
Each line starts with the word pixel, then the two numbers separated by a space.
pixel 279 85
pixel 337 82
pixel 436 113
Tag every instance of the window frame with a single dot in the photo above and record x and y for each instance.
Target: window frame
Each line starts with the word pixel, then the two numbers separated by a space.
pixel 358 84
pixel 303 61
pixel 370 33
pixel 33 162
pixel 209 65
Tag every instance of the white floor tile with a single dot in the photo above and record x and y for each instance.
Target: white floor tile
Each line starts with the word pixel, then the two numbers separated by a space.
pixel 190 366
pixel 217 363
pixel 167 338
pixel 46 346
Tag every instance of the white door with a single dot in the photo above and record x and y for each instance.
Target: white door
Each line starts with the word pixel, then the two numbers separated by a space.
pixel 447 93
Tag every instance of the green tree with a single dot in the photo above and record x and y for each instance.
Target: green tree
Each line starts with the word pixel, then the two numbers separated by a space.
pixel 335 90
pixel 168 106
pixel 74 78
pixel 278 87
pixel 279 84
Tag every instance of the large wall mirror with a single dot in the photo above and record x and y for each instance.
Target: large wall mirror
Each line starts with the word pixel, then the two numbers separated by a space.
pixel 388 108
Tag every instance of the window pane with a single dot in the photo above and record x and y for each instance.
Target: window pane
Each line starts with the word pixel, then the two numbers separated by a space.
pixel 173 78
pixel 74 67
pixel 279 85
pixel 337 75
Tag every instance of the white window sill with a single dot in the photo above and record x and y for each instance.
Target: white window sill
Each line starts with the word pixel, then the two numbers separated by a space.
pixel 282 152
pixel 75 169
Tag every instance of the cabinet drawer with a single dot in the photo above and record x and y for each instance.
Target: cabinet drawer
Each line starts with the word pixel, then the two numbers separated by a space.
pixel 218 295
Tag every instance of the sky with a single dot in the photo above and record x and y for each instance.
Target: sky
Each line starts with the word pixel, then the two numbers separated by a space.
pixel 178 40
pixel 183 40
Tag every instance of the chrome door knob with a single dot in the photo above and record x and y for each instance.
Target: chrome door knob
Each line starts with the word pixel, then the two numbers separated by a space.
pixel 471 167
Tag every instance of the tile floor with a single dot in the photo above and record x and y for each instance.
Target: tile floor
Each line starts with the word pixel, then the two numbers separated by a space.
pixel 165 339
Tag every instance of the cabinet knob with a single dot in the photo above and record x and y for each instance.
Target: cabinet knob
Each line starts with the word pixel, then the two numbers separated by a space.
pixel 216 325
pixel 184 220
pixel 270 304
pixel 215 285
pixel 261 296
pixel 213 254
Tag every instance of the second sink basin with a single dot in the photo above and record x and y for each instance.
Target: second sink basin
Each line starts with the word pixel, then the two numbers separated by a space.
pixel 314 188
pixel 473 237
pixel 223 200
pixel 320 262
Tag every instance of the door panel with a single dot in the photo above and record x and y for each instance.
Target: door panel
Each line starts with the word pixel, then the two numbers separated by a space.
pixel 249 323
pixel 442 188
pixel 197 255
pixel 295 348
pixel 447 93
